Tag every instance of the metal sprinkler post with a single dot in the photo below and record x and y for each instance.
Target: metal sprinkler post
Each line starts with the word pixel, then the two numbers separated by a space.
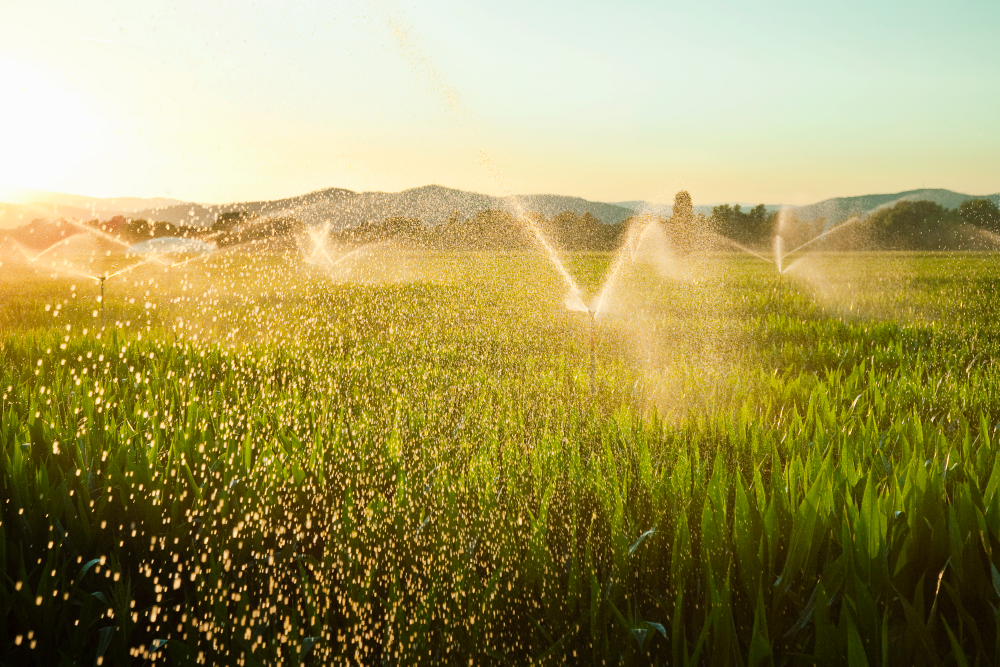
pixel 593 362
pixel 102 279
pixel 777 305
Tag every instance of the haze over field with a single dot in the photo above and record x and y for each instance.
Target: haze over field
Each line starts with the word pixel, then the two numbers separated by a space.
pixel 430 204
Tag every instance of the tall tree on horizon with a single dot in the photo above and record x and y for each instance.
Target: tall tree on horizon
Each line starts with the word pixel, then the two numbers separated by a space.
pixel 682 227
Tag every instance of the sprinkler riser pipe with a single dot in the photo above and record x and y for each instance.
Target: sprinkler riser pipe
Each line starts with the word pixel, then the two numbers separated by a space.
pixel 778 302
pixel 593 359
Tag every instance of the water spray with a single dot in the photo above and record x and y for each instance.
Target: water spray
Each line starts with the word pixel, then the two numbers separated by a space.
pixel 824 234
pixel 629 249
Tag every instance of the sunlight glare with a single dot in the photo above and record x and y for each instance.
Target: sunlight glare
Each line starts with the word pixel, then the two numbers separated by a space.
pixel 47 133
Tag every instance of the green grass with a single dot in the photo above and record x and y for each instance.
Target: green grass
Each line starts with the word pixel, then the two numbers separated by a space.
pixel 251 463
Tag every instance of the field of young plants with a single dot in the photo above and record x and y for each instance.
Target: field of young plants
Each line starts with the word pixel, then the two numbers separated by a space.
pixel 252 461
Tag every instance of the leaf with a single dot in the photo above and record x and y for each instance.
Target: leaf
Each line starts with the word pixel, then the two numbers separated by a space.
pixel 855 648
pixel 621 618
pixel 996 578
pixel 760 645
pixel 307 645
pixel 86 566
pixel 104 636
pixel 635 545
pixel 247 453
pixel 956 648
pixel 659 628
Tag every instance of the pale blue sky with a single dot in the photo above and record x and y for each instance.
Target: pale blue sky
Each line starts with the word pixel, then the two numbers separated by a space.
pixel 779 102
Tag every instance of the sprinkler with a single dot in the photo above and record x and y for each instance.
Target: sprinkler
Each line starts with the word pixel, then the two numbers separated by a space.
pixel 778 298
pixel 593 362
pixel 592 375
pixel 101 280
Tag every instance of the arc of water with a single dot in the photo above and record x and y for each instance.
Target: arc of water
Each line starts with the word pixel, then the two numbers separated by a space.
pixel 319 238
pixel 51 247
pixel 635 247
pixel 155 258
pixel 778 256
pixel 629 249
pixel 824 234
pixel 107 237
pixel 98 233
pixel 574 299
pixel 740 246
pixel 66 267
pixel 793 264
pixel 326 255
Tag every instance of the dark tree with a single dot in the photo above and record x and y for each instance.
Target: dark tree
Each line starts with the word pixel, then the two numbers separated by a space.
pixel 682 223
pixel 913 225
pixel 753 228
pixel 982 213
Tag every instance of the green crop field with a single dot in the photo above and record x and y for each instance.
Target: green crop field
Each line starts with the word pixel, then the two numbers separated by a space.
pixel 250 461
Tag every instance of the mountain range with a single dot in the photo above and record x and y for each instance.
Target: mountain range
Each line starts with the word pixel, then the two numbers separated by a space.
pixel 841 208
pixel 432 204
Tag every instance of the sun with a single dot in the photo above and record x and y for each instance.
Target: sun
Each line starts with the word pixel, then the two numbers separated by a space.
pixel 47 131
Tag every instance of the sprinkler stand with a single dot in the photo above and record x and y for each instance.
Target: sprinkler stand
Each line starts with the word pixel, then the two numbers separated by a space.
pixel 593 362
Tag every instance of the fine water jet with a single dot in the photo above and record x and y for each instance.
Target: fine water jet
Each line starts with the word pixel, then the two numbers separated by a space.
pixel 778 252
pixel 741 247
pixel 630 250
pixel 320 254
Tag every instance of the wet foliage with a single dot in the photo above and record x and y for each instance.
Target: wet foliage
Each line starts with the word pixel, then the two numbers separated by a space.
pixel 250 459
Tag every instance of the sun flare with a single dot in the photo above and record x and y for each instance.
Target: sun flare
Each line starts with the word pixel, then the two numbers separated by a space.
pixel 47 131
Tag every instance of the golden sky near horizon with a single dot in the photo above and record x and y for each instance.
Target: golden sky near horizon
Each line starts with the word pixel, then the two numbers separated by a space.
pixel 777 103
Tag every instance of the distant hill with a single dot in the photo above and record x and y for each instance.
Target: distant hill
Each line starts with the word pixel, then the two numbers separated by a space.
pixel 432 204
pixel 841 208
pixel 55 205
pixel 837 209
pixel 40 234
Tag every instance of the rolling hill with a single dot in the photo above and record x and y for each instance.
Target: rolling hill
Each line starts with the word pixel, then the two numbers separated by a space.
pixel 432 204
pixel 40 204
pixel 841 208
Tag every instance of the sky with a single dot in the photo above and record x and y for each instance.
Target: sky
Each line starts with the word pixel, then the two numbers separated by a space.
pixel 778 102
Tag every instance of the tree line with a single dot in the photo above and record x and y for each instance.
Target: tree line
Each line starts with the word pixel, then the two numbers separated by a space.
pixel 908 225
